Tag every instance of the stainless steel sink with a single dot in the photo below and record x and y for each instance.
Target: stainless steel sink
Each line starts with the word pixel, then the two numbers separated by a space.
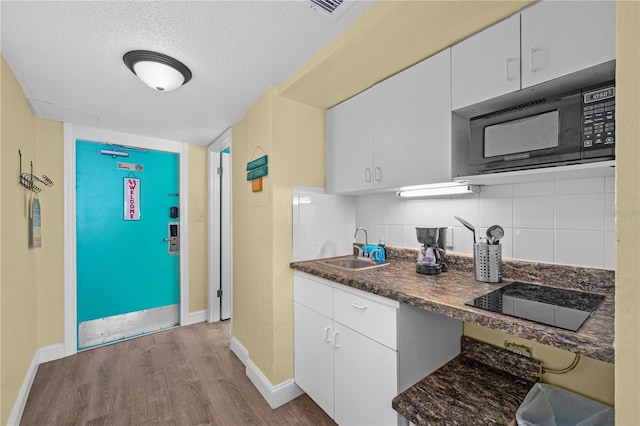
pixel 351 263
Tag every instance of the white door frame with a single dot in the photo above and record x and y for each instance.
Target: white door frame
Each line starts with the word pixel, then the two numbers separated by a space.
pixel 71 133
pixel 214 219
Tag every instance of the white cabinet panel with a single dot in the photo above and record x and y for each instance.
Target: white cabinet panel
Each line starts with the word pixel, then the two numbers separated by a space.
pixel 349 145
pixel 367 317
pixel 397 133
pixel 412 125
pixel 365 380
pixel 562 37
pixel 313 294
pixel 486 65
pixel 314 355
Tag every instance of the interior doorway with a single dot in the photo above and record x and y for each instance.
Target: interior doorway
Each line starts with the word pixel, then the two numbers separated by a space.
pixel 220 278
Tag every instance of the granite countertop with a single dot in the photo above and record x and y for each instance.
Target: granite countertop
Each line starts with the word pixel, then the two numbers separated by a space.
pixel 447 293
pixel 486 381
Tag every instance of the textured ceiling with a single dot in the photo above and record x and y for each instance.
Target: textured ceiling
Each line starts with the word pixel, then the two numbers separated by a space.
pixel 67 56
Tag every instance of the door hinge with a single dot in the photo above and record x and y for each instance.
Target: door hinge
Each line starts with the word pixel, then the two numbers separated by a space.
pixel 219 293
pixel 219 170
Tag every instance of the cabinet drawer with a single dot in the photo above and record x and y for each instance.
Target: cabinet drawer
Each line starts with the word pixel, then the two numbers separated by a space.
pixel 313 294
pixel 368 317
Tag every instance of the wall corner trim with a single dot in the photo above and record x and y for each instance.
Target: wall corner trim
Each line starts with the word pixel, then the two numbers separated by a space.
pixel 40 356
pixel 274 395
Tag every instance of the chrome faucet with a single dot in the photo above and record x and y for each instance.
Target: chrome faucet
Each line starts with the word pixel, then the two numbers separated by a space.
pixel 366 241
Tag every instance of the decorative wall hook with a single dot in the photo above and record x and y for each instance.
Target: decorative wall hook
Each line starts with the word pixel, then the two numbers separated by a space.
pixel 26 180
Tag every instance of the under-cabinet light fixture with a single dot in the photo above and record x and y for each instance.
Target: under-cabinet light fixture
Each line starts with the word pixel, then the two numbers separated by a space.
pixel 158 71
pixel 113 153
pixel 438 189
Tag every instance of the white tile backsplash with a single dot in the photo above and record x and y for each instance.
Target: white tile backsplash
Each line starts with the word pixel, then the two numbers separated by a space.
pixel 533 212
pixel 580 248
pixel 533 244
pixel 567 222
pixel 582 211
pixel 323 224
pixel 579 186
pixel 496 211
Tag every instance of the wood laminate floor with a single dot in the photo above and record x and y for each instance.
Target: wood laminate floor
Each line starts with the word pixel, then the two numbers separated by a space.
pixel 183 376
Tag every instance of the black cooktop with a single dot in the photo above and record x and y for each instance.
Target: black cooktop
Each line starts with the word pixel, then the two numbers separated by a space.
pixel 553 306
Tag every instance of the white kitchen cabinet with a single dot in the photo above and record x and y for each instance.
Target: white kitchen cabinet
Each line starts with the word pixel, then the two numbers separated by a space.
pixel 562 37
pixel 355 351
pixel 314 362
pixel 366 379
pixel 412 125
pixel 349 149
pixel 545 41
pixel 486 65
pixel 397 133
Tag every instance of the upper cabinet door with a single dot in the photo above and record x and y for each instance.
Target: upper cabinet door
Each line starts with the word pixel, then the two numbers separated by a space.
pixel 349 145
pixel 412 132
pixel 486 65
pixel 561 37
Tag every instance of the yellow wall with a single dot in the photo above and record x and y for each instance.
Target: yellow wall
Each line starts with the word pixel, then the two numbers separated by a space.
pixel 197 228
pixel 628 214
pixel 292 135
pixel 32 279
pixel 18 263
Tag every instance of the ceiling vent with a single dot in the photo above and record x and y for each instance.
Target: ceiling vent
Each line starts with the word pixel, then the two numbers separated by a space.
pixel 329 8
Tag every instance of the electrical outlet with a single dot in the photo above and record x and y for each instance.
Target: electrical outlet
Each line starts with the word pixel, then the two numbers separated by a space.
pixel 518 349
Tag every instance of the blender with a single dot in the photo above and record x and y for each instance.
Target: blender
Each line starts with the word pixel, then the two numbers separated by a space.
pixel 432 258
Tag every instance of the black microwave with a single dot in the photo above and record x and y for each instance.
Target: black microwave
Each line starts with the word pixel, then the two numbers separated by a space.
pixel 573 128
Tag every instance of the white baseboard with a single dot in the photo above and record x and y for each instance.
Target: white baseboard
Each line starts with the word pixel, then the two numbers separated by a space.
pixel 238 348
pixel 274 395
pixel 21 400
pixel 196 317
pixel 51 353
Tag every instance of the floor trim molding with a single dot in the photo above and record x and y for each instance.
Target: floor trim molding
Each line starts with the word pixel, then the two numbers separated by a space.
pixel 51 353
pixel 274 395
pixel 196 317
pixel 40 356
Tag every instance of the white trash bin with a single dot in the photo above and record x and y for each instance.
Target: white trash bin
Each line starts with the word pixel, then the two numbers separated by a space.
pixel 548 405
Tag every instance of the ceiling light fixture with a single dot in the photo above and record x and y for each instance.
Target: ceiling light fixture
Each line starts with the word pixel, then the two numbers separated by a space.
pixel 435 190
pixel 158 71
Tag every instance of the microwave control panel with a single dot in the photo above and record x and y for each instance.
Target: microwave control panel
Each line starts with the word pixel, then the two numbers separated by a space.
pixel 598 121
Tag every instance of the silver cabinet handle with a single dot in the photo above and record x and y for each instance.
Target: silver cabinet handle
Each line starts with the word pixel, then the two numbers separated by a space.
pixel 327 329
pixel 335 339
pixel 358 306
pixel 378 174
pixel 367 174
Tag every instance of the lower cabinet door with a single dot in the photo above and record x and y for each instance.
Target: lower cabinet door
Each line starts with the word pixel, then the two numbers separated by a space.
pixel 313 357
pixel 365 379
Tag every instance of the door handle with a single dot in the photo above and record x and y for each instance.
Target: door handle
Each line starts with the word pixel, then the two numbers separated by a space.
pixel 335 339
pixel 378 174
pixel 367 175
pixel 327 329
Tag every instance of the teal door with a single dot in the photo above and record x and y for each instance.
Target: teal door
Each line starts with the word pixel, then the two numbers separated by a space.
pixel 127 242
